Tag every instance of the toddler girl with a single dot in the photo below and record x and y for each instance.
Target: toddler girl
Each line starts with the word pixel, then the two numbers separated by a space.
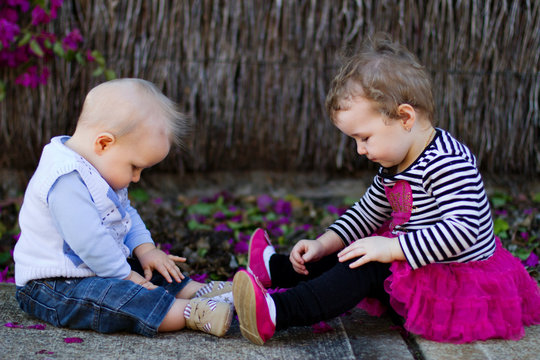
pixel 421 238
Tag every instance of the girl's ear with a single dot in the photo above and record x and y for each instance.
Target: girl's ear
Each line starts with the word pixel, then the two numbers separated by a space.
pixel 103 142
pixel 407 116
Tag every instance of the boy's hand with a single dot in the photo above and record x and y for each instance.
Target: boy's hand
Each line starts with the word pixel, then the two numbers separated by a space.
pixel 372 248
pixel 138 279
pixel 152 258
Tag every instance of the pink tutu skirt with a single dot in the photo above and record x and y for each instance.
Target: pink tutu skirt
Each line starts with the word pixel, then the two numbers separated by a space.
pixel 464 302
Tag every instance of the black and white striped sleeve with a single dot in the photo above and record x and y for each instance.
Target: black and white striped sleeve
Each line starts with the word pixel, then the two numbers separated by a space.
pixel 365 216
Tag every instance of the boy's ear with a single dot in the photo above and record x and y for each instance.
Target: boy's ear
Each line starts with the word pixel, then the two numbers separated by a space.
pixel 103 142
pixel 407 116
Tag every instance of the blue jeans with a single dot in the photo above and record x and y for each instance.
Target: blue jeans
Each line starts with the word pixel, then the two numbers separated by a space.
pixel 101 304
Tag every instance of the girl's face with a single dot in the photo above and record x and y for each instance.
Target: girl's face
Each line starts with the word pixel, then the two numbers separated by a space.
pixel 382 140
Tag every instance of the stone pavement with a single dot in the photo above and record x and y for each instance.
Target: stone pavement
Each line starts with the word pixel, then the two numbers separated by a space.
pixel 353 336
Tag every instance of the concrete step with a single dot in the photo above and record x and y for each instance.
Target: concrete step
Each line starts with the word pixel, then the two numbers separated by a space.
pixel 353 336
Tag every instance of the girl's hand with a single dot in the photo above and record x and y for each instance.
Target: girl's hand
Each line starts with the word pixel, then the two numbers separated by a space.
pixel 138 279
pixel 372 248
pixel 303 252
pixel 152 258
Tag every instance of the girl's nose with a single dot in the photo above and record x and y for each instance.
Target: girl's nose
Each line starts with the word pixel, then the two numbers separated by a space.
pixel 360 148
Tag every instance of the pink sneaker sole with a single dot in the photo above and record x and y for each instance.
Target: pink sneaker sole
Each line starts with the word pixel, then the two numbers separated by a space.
pixel 252 308
pixel 257 243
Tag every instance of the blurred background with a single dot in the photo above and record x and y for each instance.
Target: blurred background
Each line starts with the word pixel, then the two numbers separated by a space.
pixel 253 76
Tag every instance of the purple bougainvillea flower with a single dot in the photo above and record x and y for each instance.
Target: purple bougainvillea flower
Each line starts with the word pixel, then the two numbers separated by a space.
pixel 8 31
pixel 222 227
pixel 236 218
pixel 4 277
pixel 32 78
pixel 23 4
pixel 16 237
pixel 304 227
pixel 321 327
pixel 283 207
pixel 73 340
pixel 89 56
pixel 532 260
pixel 40 16
pixel 501 212
pixel 72 40
pixel 332 209
pixel 264 203
pixel 219 216
pixel 524 235
pixel 199 277
pixel 243 237
pixel 241 247
pixel 528 211
pixel 166 247
pixel 158 201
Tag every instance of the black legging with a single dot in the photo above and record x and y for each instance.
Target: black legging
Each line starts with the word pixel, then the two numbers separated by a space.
pixel 330 289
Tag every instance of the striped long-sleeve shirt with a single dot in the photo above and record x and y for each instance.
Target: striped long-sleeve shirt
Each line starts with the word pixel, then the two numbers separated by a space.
pixel 451 217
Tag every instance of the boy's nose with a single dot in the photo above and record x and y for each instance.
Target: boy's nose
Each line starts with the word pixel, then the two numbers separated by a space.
pixel 136 177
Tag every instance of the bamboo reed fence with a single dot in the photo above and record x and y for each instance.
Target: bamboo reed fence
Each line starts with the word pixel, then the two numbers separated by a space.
pixel 253 76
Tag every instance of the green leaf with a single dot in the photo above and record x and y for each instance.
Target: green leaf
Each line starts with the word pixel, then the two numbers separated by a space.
pixel 97 72
pixel 34 46
pixel 110 74
pixel 500 226
pixel 522 253
pixel 139 195
pixel 536 197
pixel 194 225
pixel 58 49
pixel 99 58
pixel 5 257
pixel 79 57
pixel 205 209
pixel 499 199
pixel 2 90
pixel 25 38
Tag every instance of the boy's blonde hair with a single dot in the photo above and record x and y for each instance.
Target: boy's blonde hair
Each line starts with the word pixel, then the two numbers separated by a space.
pixel 386 73
pixel 120 106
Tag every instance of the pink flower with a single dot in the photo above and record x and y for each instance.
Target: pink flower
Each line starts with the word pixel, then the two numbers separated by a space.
pixel 8 31
pixel 72 40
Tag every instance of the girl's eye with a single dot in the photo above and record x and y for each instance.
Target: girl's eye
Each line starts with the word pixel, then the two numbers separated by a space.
pixel 364 139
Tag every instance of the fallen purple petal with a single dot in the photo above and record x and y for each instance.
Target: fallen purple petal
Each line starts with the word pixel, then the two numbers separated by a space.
pixel 37 326
pixel 73 340
pixel 321 327
pixel 45 352
pixel 199 277
pixel 532 260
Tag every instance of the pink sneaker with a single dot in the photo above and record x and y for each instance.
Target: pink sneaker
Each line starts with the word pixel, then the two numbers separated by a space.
pixel 258 242
pixel 252 308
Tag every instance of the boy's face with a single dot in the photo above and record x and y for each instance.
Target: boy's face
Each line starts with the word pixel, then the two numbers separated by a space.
pixel 380 139
pixel 121 161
